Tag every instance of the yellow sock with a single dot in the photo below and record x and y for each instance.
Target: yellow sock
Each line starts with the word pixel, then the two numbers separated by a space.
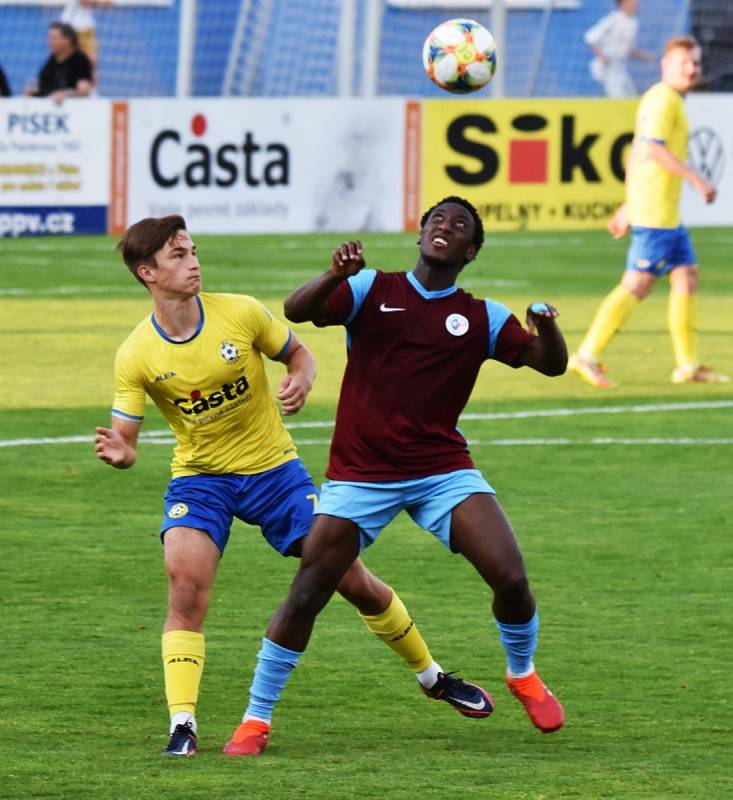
pixel 611 315
pixel 183 665
pixel 395 627
pixel 682 320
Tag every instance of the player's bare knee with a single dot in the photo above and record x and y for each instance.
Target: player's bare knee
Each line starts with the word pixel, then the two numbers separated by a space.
pixel 306 600
pixel 684 280
pixel 639 284
pixel 512 586
pixel 187 596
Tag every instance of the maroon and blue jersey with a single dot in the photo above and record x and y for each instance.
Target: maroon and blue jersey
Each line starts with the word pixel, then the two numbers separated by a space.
pixel 413 359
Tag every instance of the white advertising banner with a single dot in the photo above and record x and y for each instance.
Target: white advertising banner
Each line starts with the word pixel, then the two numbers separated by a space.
pixel 710 152
pixel 274 165
pixel 54 166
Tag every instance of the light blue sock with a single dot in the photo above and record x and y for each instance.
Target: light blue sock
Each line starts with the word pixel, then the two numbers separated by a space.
pixel 274 665
pixel 520 642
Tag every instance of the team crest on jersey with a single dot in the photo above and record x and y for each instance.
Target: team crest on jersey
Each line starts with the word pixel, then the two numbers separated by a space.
pixel 456 324
pixel 229 352
pixel 178 510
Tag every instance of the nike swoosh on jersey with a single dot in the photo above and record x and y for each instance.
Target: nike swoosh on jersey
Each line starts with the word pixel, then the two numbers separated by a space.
pixel 384 307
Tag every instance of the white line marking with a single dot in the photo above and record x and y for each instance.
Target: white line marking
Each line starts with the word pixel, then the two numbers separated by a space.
pixel 45 440
pixel 62 291
pixel 164 437
pixel 574 412
pixel 562 442
pixel 528 442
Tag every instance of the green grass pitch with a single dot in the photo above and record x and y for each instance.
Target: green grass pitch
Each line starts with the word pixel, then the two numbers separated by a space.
pixel 621 502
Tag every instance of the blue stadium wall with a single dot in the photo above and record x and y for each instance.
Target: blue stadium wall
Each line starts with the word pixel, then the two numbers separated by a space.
pixel 153 47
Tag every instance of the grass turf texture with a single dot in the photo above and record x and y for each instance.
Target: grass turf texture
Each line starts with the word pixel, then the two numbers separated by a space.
pixel 628 548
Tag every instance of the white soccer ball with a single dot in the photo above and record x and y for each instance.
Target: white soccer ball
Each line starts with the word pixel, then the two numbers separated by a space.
pixel 460 56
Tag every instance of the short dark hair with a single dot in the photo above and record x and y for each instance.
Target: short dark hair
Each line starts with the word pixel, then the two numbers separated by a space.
pixel 478 225
pixel 67 31
pixel 141 241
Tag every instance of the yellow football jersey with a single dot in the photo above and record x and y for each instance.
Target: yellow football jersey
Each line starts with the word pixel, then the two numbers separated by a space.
pixel 212 389
pixel 652 192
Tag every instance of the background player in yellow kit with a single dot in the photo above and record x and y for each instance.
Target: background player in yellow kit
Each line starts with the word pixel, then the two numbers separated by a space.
pixel 199 358
pixel 660 245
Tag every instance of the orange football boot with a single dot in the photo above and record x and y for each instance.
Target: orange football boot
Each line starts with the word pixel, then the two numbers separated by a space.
pixel 539 702
pixel 250 739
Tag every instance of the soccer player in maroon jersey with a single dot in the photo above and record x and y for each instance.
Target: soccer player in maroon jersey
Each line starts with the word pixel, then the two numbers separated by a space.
pixel 416 344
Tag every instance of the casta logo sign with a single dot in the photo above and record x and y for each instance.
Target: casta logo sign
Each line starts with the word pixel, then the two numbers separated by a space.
pixel 198 159
pixel 197 403
pixel 526 146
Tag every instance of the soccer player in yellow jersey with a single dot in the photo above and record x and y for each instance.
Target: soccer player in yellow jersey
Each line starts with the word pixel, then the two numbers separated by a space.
pixel 198 356
pixel 660 245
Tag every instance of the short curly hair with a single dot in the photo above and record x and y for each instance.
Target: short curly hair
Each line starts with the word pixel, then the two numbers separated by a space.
pixel 478 225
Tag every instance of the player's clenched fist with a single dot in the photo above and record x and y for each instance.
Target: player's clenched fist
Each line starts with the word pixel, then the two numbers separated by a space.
pixel 538 312
pixel 292 392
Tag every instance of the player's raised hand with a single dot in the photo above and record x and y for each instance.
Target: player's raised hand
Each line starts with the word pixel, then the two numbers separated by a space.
pixel 292 392
pixel 111 447
pixel 536 312
pixel 347 259
pixel 618 225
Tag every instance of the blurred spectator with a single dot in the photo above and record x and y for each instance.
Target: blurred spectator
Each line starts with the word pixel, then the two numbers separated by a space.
pixel 612 40
pixel 78 14
pixel 67 72
pixel 4 85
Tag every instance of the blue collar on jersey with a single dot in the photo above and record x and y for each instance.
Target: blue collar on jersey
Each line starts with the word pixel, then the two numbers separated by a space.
pixel 421 290
pixel 165 336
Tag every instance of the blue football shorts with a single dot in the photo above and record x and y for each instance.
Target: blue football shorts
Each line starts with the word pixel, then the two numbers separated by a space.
pixel 659 250
pixel 429 501
pixel 279 501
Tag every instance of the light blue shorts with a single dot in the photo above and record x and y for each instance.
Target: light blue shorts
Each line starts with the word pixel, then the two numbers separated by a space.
pixel 659 250
pixel 429 501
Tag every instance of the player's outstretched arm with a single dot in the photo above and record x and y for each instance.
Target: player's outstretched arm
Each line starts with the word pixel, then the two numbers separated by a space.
pixel 295 386
pixel 309 302
pixel 116 446
pixel 547 353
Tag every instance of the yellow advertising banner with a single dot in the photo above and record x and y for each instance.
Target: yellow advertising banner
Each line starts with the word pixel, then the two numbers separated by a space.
pixel 527 164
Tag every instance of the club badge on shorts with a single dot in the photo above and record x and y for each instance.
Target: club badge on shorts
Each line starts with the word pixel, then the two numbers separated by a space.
pixel 178 510
pixel 456 324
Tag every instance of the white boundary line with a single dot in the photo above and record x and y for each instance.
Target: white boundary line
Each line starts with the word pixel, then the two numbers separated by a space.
pixel 164 437
pixel 599 440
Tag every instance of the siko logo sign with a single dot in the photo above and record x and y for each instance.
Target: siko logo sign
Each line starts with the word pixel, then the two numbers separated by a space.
pixel 193 159
pixel 526 144
pixel 535 164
